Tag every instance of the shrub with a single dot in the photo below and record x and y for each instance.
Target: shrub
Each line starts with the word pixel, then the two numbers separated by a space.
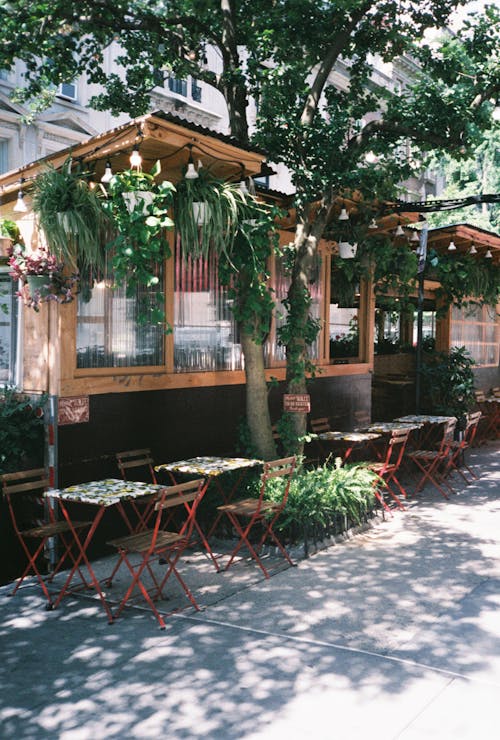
pixel 324 501
pixel 21 431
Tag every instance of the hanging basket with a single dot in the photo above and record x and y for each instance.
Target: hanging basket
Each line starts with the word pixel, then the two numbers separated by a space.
pixel 347 251
pixel 39 285
pixel 5 246
pixel 142 198
pixel 200 212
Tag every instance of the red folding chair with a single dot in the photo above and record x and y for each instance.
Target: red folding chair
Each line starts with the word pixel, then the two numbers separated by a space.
pixel 489 426
pixel 433 463
pixel 389 466
pixel 167 546
pixel 258 511
pixel 456 459
pixel 23 492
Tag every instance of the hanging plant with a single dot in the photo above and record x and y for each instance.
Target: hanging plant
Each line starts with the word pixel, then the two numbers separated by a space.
pixel 139 206
pixel 42 277
pixel 208 212
pixel 71 216
pixel 464 280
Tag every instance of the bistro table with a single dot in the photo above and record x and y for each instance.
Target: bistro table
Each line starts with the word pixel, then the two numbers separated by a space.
pixel 349 440
pixel 428 421
pixel 101 495
pixel 211 468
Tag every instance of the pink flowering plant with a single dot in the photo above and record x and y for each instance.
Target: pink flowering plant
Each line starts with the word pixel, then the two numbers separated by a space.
pixel 29 267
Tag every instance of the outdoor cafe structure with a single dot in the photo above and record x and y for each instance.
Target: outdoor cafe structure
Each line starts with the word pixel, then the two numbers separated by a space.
pixel 116 384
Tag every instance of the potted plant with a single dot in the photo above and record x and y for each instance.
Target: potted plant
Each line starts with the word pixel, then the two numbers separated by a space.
pixel 71 216
pixel 208 213
pixel 9 235
pixel 42 277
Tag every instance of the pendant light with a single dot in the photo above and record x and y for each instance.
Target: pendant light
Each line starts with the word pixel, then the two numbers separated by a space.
pixel 108 173
pixel 452 247
pixel 372 224
pixel 472 249
pixel 399 231
pixel 20 205
pixel 135 157
pixel 415 237
pixel 191 173
pixel 343 216
pixel 488 255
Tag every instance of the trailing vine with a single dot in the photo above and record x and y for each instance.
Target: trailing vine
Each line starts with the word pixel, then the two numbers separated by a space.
pixel 464 280
pixel 140 243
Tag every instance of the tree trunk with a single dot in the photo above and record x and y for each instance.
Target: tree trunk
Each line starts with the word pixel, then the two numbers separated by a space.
pixel 257 408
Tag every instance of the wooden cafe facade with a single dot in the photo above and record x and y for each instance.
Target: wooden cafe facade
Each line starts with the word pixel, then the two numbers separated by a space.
pixel 117 384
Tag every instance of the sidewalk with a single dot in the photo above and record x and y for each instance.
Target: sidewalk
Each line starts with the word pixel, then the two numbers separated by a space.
pixel 392 634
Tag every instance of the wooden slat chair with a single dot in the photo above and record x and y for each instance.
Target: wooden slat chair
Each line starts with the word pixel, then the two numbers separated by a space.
pixel 489 426
pixel 28 486
pixel 389 466
pixel 160 545
pixel 318 426
pixel 433 463
pixel 136 459
pixel 258 511
pixel 456 460
pixel 495 392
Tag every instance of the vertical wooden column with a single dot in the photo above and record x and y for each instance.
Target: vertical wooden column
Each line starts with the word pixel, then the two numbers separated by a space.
pixel 169 283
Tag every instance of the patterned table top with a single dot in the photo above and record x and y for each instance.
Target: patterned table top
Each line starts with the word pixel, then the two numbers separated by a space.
pixel 391 426
pixel 426 419
pixel 210 466
pixel 348 436
pixel 106 492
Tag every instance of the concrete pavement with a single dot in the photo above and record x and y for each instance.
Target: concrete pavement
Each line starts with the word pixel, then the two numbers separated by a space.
pixel 394 633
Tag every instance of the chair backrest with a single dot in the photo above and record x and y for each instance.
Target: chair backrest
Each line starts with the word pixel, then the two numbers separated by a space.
pixel 496 391
pixel 320 425
pixel 282 468
pixel 480 396
pixel 25 482
pixel 396 447
pixel 448 433
pixel 471 427
pixel 136 459
pixel 188 495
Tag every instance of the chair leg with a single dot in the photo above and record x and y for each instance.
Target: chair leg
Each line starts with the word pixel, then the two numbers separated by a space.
pixel 243 533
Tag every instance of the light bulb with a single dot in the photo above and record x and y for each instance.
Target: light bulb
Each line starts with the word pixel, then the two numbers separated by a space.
pixel 20 206
pixel 373 224
pixel 488 255
pixel 135 157
pixel 472 249
pixel 399 231
pixel 108 173
pixel 344 216
pixel 191 173
pixel 452 247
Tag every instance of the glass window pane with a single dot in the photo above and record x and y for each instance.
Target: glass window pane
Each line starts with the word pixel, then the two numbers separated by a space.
pixel 4 155
pixel 110 332
pixel 205 332
pixel 8 328
pixel 477 329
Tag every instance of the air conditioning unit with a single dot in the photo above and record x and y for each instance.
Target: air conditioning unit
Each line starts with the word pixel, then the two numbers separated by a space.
pixel 67 90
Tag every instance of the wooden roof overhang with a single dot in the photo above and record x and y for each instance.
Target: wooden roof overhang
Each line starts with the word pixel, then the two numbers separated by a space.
pixel 159 138
pixel 464 236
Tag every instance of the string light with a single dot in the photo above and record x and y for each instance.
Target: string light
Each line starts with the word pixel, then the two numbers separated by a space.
pixel 373 224
pixel 452 247
pixel 191 173
pixel 135 157
pixel 20 206
pixel 343 216
pixel 472 249
pixel 399 231
pixel 108 173
pixel 488 255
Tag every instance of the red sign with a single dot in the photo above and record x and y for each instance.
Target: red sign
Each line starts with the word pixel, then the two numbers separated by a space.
pixel 299 403
pixel 73 410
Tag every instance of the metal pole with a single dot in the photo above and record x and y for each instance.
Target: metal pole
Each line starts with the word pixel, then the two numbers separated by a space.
pixel 422 255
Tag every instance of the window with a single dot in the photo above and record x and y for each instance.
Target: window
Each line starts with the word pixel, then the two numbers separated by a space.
pixel 8 328
pixel 4 74
pixel 477 329
pixel 109 332
pixel 177 86
pixel 67 90
pixel 195 91
pixel 4 155
pixel 205 332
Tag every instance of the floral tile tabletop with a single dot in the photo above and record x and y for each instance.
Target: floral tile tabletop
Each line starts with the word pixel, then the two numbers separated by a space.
pixel 105 492
pixel 210 466
pixel 426 419
pixel 349 436
pixel 392 426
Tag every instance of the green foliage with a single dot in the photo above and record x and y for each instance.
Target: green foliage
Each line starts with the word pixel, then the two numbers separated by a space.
pixel 226 207
pixel 71 216
pixel 320 496
pixel 464 279
pixel 140 244
pixel 448 382
pixel 10 229
pixel 21 431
